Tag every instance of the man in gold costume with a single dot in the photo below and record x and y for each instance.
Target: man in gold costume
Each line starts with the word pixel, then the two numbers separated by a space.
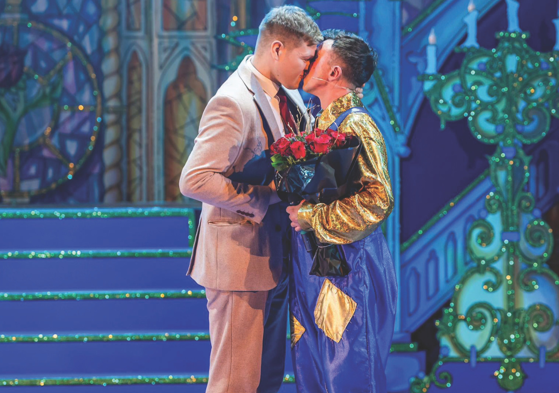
pixel 341 327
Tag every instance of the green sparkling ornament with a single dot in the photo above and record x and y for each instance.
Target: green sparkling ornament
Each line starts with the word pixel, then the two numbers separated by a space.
pixel 509 253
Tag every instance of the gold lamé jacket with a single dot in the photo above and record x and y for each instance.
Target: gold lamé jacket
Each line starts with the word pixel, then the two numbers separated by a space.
pixel 356 217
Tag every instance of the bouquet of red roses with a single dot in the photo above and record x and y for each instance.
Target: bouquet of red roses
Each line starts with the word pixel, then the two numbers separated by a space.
pixel 292 149
pixel 317 167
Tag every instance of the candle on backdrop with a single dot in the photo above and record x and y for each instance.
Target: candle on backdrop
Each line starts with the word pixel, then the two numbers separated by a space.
pixel 512 15
pixel 432 54
pixel 471 22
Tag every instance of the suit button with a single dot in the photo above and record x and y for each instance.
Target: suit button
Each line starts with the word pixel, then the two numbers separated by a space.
pixel 278 228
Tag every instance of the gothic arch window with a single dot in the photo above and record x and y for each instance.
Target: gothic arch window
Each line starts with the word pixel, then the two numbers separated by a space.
pixel 432 274
pixel 451 257
pixel 469 222
pixel 185 15
pixel 184 102
pixel 134 132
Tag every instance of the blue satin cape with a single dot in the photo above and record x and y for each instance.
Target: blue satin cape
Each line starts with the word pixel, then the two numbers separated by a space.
pixel 357 363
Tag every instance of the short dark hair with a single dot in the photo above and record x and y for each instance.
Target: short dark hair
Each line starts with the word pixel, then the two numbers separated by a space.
pixel 358 58
pixel 291 23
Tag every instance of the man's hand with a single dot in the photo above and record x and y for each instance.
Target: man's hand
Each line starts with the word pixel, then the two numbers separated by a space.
pixel 293 212
pixel 359 91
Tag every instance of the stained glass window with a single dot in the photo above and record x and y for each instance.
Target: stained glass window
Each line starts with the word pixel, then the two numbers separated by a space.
pixel 50 105
pixel 134 15
pixel 185 100
pixel 185 15
pixel 134 140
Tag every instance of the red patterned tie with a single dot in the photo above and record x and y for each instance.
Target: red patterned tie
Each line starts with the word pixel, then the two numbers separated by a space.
pixel 288 120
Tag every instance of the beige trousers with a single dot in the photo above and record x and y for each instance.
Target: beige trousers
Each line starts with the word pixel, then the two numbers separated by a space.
pixel 245 328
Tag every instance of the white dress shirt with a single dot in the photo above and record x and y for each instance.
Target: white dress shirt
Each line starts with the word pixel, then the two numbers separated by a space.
pixel 271 89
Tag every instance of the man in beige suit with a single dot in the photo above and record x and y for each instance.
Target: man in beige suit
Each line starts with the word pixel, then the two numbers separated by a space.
pixel 242 243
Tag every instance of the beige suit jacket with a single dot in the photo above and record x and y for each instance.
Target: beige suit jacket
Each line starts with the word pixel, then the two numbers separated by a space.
pixel 238 246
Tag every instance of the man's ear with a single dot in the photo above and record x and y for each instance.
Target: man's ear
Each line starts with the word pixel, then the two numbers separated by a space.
pixel 276 48
pixel 335 73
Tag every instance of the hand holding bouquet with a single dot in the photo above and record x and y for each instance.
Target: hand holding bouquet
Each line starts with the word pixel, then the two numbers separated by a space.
pixel 317 167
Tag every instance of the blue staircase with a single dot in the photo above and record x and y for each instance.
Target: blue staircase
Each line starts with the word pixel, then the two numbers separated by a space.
pixel 98 297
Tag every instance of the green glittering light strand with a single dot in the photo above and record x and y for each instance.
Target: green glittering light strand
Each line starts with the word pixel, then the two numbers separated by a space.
pixel 104 337
pixel 421 17
pixel 118 380
pixel 107 381
pixel 315 14
pixel 104 295
pixel 89 254
pixel 386 100
pixel 404 347
pixel 230 39
pixel 10 213
pixel 136 337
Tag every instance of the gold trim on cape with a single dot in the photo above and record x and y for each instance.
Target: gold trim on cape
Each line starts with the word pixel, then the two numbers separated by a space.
pixel 334 309
pixel 297 330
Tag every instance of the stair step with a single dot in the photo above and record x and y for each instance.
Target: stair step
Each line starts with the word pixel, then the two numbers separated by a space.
pixel 184 383
pixel 96 229
pixel 148 388
pixel 114 315
pixel 21 360
pixel 118 357
pixel 102 274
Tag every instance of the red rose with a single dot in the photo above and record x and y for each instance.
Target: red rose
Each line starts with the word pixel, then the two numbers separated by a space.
pixel 282 147
pixel 310 138
pixel 320 148
pixel 321 144
pixel 319 141
pixel 290 136
pixel 324 139
pixel 338 137
pixel 298 150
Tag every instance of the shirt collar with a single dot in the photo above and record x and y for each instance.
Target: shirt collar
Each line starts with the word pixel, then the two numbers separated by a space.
pixel 336 108
pixel 269 87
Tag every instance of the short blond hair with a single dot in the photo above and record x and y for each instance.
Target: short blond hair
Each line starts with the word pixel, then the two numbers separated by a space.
pixel 290 23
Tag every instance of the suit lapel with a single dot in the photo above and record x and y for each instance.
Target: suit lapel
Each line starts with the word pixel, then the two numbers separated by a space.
pixel 260 97
pixel 262 101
